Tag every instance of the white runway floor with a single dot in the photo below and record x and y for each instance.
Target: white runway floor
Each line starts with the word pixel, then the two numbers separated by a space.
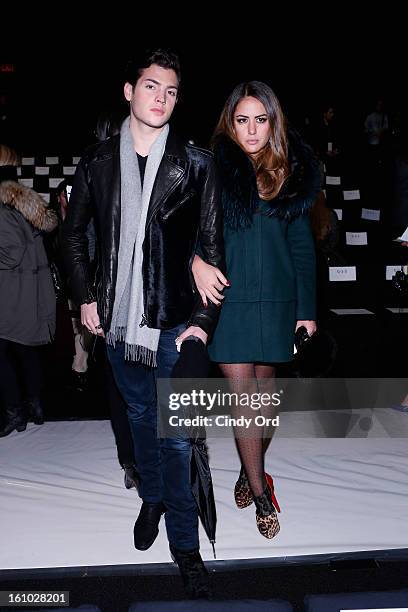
pixel 63 502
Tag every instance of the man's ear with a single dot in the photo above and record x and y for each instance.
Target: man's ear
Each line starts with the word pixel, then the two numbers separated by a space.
pixel 128 91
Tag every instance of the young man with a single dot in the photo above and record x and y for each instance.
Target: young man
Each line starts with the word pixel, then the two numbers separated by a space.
pixel 153 197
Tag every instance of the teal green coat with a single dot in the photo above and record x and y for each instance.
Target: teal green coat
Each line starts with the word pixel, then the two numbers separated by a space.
pixel 270 263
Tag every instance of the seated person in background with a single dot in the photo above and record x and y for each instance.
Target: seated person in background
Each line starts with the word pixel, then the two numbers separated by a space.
pixel 83 340
pixel 324 136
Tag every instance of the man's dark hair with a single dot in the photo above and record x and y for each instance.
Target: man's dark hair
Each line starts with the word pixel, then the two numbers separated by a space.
pixel 165 58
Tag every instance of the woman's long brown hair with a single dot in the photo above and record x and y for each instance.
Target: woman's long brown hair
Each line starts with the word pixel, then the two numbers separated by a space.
pixel 271 163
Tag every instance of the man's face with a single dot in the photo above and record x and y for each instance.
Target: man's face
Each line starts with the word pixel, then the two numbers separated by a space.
pixel 153 99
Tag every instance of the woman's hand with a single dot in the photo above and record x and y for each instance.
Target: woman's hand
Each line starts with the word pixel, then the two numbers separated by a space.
pixel 310 326
pixel 209 281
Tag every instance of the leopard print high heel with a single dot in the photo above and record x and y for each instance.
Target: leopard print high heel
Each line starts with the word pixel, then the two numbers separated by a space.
pixel 266 516
pixel 242 491
pixel 243 494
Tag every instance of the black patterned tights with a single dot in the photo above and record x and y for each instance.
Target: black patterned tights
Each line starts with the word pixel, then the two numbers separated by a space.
pixel 249 378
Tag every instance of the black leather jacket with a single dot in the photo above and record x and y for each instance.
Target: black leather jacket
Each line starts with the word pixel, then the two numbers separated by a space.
pixel 184 209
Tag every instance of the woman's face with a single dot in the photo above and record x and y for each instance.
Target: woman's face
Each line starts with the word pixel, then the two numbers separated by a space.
pixel 251 125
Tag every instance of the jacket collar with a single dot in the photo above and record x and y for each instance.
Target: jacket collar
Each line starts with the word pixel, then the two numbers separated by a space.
pixel 30 204
pixel 171 171
pixel 175 148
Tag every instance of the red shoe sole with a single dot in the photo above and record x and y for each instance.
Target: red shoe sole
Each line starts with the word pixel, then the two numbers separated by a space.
pixel 269 481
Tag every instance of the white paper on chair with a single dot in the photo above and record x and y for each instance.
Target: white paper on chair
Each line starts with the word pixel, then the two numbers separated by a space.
pixel 403 237
pixel 351 194
pixel 68 169
pixel 54 182
pixel 370 214
pixel 390 271
pixel 42 170
pixel 342 273
pixel 27 182
pixel 356 238
pixel 333 180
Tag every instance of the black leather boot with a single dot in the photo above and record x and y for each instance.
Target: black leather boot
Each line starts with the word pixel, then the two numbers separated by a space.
pixel 146 528
pixel 35 411
pixel 193 573
pixel 78 381
pixel 15 419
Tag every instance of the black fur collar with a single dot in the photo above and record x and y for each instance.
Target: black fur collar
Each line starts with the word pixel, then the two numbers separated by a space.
pixel 239 192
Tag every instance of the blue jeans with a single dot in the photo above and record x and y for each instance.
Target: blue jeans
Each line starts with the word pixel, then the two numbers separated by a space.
pixel 163 463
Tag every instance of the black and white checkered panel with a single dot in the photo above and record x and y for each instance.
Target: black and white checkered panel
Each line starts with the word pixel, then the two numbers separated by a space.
pixel 43 173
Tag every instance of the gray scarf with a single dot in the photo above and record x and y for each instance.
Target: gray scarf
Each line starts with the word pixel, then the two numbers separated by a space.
pixel 140 342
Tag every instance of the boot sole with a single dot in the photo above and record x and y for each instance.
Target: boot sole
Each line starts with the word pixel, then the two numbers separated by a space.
pixel 148 545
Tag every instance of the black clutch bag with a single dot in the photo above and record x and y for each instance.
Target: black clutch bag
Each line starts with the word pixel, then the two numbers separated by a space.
pixel 316 354
pixel 301 337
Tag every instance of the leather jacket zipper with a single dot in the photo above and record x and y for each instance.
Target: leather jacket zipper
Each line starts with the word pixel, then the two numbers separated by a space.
pixel 186 197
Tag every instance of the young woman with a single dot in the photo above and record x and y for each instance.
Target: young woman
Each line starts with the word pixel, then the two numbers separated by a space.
pixel 27 297
pixel 269 180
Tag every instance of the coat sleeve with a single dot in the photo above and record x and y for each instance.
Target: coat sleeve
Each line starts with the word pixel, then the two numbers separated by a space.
pixel 74 239
pixel 12 243
pixel 301 245
pixel 211 245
